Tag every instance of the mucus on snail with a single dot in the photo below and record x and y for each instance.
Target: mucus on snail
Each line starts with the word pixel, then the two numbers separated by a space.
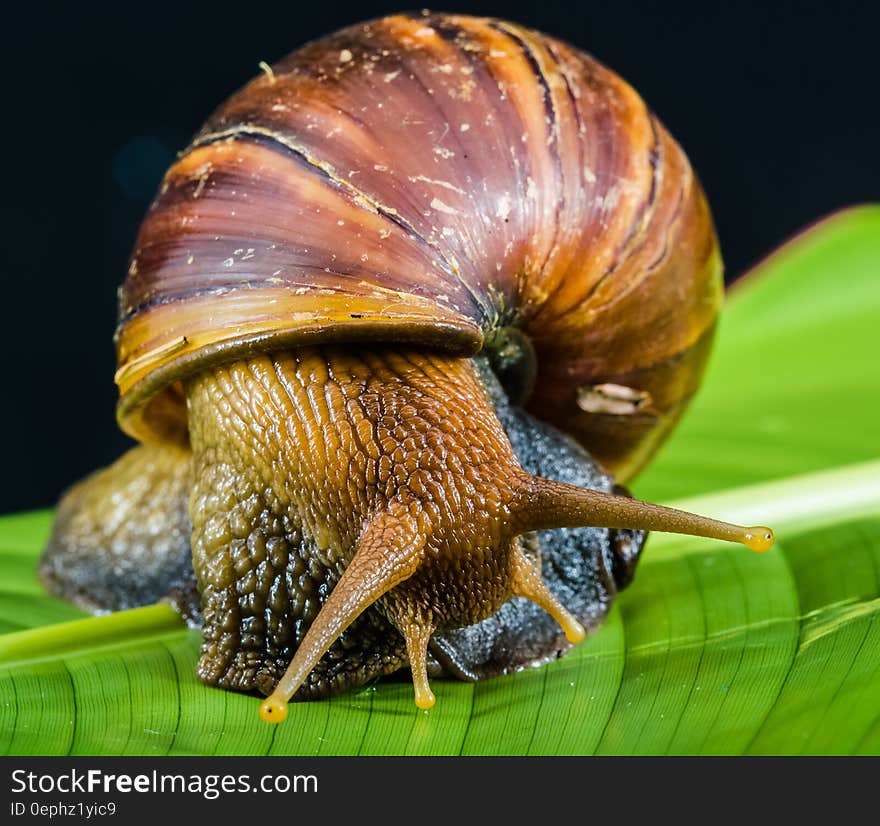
pixel 395 317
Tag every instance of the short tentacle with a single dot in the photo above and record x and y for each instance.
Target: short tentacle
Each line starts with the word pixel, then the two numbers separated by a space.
pixel 417 636
pixel 527 583
pixel 388 553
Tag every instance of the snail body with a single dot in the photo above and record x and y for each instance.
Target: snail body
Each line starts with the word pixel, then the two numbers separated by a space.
pixel 398 282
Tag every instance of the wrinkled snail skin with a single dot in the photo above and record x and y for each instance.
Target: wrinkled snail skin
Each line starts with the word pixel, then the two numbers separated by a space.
pixel 395 317
pixel 121 536
pixel 340 447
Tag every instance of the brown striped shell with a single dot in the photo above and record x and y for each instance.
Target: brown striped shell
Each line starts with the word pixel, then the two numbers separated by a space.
pixel 430 179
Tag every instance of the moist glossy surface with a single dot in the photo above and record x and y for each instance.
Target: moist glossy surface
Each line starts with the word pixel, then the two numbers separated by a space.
pixel 295 455
pixel 425 180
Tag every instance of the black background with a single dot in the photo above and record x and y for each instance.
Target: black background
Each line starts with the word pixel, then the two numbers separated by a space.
pixel 776 103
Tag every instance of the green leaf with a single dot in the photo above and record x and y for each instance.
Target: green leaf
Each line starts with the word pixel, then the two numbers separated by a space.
pixel 712 650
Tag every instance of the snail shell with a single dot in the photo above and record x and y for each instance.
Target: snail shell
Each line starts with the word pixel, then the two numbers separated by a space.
pixel 294 327
pixel 444 181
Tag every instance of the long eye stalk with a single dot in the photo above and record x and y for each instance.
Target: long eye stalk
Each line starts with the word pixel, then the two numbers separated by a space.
pixel 544 504
pixel 389 552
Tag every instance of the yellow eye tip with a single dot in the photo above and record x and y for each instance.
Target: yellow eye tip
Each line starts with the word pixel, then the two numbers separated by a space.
pixel 273 710
pixel 425 699
pixel 758 539
pixel 575 632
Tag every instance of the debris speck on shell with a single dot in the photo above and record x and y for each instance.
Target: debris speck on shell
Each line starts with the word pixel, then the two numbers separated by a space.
pixel 441 207
pixel 266 69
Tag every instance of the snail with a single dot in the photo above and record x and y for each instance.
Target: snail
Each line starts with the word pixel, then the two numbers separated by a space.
pixel 401 318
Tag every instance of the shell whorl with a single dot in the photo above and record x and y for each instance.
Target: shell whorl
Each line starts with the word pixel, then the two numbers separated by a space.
pixel 428 179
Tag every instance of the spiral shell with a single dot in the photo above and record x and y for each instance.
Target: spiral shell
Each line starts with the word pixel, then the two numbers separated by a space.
pixel 431 179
